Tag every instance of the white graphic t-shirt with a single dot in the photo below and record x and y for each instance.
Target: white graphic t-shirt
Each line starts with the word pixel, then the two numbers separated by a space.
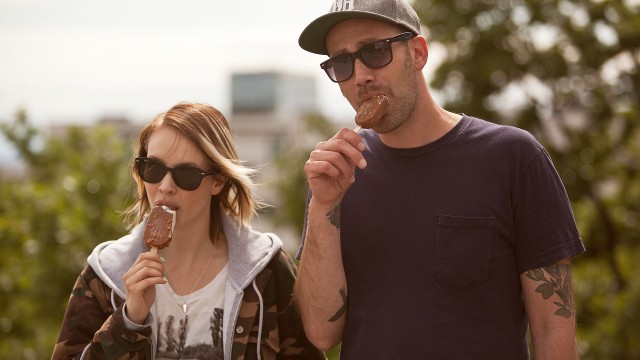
pixel 196 333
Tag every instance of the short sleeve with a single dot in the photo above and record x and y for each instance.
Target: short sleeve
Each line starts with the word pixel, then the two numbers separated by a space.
pixel 545 226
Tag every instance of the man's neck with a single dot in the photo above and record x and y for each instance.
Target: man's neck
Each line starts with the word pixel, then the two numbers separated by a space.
pixel 428 123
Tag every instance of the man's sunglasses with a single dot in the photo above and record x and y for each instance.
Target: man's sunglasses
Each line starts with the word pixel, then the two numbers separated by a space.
pixel 184 176
pixel 374 55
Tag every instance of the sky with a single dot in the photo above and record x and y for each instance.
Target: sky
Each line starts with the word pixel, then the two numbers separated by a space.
pixel 74 61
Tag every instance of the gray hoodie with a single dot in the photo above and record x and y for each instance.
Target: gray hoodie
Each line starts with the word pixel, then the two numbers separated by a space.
pixel 249 252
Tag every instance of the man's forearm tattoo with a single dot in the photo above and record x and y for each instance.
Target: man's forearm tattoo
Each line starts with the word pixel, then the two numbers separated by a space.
pixel 558 282
pixel 343 309
pixel 334 216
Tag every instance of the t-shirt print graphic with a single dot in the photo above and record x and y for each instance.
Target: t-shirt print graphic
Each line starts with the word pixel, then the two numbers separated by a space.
pixel 181 339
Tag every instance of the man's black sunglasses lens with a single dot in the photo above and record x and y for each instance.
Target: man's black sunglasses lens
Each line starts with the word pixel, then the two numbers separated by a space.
pixel 185 177
pixel 375 55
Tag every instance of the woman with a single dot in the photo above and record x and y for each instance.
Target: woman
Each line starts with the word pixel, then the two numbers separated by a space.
pixel 220 290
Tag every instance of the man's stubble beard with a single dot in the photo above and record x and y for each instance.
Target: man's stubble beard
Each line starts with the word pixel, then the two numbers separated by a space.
pixel 405 98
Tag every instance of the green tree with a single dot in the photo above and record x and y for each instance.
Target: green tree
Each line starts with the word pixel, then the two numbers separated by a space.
pixel 567 71
pixel 49 222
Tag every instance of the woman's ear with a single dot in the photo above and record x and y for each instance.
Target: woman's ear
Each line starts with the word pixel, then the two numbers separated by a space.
pixel 217 186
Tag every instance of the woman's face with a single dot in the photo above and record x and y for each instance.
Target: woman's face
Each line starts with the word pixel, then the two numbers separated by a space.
pixel 173 149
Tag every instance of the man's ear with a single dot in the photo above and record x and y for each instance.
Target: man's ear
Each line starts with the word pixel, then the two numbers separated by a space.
pixel 419 51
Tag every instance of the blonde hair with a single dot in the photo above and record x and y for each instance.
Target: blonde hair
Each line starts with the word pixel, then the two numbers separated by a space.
pixel 209 131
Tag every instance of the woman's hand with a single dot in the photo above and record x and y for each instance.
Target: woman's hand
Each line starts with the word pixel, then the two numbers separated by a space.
pixel 140 282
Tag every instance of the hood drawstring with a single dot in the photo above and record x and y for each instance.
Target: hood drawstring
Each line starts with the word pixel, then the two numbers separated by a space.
pixel 113 300
pixel 255 287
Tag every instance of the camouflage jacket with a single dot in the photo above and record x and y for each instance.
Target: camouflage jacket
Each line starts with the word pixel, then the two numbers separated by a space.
pixel 94 325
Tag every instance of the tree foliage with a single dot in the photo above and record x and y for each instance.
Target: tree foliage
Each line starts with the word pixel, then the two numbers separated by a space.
pixel 49 222
pixel 567 71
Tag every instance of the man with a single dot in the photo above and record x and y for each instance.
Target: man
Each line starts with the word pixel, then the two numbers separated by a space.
pixel 433 235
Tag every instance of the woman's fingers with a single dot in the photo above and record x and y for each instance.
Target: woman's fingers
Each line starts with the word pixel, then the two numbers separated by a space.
pixel 140 281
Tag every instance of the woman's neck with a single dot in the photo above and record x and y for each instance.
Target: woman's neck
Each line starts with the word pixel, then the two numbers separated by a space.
pixel 190 244
pixel 189 267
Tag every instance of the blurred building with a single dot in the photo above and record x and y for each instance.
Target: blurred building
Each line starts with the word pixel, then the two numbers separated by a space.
pixel 266 110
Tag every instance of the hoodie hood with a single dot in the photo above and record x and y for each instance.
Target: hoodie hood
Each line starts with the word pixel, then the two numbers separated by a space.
pixel 249 252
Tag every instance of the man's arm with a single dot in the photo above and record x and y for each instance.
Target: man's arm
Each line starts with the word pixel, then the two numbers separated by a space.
pixel 321 288
pixel 548 298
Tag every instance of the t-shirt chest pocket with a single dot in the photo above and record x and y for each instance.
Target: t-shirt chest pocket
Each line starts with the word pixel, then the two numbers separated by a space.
pixel 463 249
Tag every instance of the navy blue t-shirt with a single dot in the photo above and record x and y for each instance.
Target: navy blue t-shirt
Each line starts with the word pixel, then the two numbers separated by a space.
pixel 434 240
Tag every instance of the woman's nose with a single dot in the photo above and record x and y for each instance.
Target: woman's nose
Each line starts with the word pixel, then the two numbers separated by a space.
pixel 167 185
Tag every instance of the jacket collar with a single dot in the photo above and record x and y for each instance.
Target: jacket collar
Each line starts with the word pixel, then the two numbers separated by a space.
pixel 249 252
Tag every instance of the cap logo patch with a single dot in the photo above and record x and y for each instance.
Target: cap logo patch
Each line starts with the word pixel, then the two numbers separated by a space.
pixel 343 5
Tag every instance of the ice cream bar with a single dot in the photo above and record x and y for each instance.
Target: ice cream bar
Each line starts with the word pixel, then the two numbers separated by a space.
pixel 159 230
pixel 371 111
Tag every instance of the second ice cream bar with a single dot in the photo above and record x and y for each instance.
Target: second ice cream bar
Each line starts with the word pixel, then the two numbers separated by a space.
pixel 371 111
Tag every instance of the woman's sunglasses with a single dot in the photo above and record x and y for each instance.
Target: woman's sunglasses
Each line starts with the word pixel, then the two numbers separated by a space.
pixel 184 176
pixel 375 55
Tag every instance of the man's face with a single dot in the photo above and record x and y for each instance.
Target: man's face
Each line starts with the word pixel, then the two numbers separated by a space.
pixel 397 80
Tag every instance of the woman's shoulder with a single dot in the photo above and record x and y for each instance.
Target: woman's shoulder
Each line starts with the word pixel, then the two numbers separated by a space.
pixel 90 286
pixel 283 263
pixel 279 274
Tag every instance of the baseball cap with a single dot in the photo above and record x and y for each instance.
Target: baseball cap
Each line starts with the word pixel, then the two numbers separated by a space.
pixel 398 12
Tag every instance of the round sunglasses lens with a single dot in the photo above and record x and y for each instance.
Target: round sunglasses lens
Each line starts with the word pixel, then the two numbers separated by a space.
pixel 152 171
pixel 187 178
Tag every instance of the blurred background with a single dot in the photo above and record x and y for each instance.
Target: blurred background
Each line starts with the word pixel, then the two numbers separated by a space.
pixel 78 80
